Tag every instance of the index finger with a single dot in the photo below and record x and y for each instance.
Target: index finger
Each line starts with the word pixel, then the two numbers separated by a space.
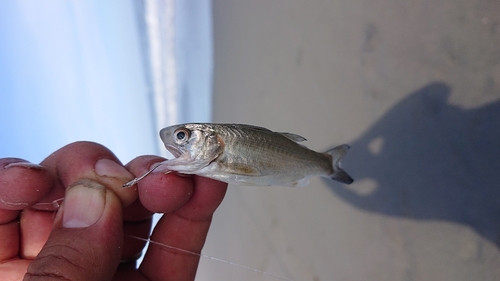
pixel 22 183
pixel 88 160
pixel 180 235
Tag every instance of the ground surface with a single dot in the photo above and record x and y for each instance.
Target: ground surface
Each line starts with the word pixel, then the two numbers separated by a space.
pixel 414 88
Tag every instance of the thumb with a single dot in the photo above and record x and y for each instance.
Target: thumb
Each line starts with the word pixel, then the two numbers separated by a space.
pixel 87 237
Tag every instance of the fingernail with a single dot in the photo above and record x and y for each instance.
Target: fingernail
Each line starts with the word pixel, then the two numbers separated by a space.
pixel 83 204
pixel 109 168
pixel 23 165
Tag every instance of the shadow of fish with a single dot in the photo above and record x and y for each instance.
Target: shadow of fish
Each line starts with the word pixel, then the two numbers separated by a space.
pixel 431 160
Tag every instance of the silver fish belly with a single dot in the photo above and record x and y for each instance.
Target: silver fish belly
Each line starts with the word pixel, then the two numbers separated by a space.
pixel 245 154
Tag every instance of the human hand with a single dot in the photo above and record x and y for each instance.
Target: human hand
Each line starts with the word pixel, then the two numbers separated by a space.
pixel 88 236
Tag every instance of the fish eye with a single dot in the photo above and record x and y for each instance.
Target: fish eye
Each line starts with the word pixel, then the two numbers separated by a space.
pixel 181 135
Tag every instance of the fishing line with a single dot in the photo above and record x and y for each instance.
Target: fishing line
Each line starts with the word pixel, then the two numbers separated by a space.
pixel 54 203
pixel 136 180
pixel 211 258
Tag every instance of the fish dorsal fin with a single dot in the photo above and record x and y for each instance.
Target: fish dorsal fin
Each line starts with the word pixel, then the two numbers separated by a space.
pixel 293 137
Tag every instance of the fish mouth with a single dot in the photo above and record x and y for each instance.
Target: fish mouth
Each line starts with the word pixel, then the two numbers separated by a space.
pixel 174 150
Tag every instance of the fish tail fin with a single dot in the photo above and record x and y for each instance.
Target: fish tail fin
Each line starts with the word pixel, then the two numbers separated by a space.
pixel 337 154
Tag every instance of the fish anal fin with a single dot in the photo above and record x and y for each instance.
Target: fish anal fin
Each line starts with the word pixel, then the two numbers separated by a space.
pixel 293 137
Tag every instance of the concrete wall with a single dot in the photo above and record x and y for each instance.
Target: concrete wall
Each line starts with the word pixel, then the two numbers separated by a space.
pixel 414 87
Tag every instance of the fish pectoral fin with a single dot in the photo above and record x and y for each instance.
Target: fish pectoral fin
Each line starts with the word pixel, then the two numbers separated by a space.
pixel 293 137
pixel 241 169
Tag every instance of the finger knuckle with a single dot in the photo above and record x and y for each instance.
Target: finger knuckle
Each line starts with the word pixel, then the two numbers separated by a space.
pixel 53 267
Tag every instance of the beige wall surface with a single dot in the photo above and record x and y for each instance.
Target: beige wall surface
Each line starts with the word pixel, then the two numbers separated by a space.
pixel 414 88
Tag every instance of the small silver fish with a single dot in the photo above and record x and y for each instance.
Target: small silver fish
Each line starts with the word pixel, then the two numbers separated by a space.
pixel 245 154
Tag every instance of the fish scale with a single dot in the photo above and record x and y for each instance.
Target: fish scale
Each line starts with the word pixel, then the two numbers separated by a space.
pixel 265 150
pixel 246 154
